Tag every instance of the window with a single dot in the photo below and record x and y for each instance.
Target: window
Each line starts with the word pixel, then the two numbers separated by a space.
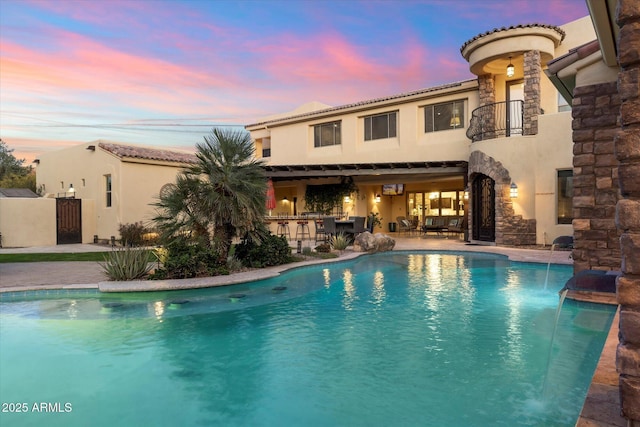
pixel 445 116
pixel 326 134
pixel 108 189
pixel 380 126
pixel 266 147
pixel 563 105
pixel 565 196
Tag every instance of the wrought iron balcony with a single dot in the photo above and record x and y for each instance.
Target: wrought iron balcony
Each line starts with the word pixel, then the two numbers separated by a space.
pixel 501 119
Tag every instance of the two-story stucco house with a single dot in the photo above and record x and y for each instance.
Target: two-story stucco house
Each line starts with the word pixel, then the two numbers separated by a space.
pixel 496 150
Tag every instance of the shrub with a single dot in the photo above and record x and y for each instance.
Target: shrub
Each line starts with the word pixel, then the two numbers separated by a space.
pixel 127 264
pixel 306 251
pixel 234 264
pixel 184 260
pixel 340 242
pixel 273 250
pixel 323 248
pixel 132 234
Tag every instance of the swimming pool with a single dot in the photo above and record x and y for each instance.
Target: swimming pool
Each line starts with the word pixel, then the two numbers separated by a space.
pixel 399 338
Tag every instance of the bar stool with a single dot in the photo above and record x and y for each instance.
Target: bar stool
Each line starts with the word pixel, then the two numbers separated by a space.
pixel 283 229
pixel 303 230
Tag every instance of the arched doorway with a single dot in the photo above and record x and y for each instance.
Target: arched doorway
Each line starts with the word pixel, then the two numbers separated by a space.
pixel 484 209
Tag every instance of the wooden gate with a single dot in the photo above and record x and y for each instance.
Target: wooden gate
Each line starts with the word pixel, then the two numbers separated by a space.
pixel 484 209
pixel 69 221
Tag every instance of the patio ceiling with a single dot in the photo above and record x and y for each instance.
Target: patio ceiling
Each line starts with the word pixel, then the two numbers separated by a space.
pixel 287 172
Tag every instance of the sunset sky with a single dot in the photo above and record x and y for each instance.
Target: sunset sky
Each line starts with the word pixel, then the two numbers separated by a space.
pixel 164 72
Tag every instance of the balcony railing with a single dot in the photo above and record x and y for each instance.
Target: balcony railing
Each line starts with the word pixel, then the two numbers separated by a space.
pixel 497 120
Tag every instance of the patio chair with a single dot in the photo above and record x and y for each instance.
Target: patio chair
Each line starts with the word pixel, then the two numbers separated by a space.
pixel 403 225
pixel 329 224
pixel 358 226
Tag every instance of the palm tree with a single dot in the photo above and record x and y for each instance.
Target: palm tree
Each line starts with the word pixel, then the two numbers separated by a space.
pixel 221 195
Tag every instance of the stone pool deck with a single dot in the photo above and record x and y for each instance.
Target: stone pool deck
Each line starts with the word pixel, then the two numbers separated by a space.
pixel 602 405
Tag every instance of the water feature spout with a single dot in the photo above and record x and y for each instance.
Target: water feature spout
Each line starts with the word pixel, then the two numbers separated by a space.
pixel 562 242
pixel 563 294
pixel 546 279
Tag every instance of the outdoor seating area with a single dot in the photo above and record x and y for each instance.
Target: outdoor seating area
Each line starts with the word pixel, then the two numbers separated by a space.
pixel 324 227
pixel 444 225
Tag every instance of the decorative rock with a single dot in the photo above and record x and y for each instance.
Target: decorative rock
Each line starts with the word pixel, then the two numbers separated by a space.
pixel 367 242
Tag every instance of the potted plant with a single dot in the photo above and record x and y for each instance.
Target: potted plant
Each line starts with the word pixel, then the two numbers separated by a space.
pixel 375 220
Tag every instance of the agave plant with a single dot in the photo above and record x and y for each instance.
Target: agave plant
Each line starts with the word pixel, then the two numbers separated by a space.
pixel 340 241
pixel 127 264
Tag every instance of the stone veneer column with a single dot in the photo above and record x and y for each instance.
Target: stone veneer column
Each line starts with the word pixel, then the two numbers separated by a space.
pixel 627 150
pixel 595 171
pixel 487 94
pixel 532 70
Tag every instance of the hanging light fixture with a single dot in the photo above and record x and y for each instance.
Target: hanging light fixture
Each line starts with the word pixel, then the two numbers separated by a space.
pixel 511 70
pixel 513 191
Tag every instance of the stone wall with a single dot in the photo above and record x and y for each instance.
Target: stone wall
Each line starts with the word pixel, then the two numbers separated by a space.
pixel 595 178
pixel 627 152
pixel 511 229
pixel 532 71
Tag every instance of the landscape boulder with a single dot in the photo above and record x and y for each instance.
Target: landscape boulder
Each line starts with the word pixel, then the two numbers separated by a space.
pixel 367 242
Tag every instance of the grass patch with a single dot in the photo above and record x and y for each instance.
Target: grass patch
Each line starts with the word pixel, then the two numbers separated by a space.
pixel 46 257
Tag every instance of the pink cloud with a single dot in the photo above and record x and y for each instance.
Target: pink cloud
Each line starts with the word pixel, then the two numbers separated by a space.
pixel 30 148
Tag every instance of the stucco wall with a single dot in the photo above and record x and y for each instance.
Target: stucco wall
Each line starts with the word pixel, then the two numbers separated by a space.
pixel 27 222
pixel 293 143
pixel 135 184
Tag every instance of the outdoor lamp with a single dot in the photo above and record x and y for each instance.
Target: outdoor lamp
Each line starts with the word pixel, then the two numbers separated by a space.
pixel 347 199
pixel 71 189
pixel 513 191
pixel 377 200
pixel 511 70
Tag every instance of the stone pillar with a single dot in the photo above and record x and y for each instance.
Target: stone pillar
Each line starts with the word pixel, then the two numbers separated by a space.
pixel 627 151
pixel 532 70
pixel 595 178
pixel 487 94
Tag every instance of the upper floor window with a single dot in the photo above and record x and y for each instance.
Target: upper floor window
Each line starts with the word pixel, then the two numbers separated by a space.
pixel 266 147
pixel 380 126
pixel 445 116
pixel 327 134
pixel 565 196
pixel 108 190
pixel 563 105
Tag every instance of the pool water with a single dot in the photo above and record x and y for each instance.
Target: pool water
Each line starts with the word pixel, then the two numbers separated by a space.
pixel 400 338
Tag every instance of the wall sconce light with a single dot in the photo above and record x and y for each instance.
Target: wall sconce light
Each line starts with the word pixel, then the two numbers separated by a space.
pixel 513 191
pixel 347 199
pixel 284 199
pixel 72 190
pixel 511 70
pixel 377 199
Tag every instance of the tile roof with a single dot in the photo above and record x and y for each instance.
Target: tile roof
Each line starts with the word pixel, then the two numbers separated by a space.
pixel 513 27
pixel 146 153
pixel 363 103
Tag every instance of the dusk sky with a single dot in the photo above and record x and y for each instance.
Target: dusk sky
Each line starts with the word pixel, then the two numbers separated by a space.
pixel 163 73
